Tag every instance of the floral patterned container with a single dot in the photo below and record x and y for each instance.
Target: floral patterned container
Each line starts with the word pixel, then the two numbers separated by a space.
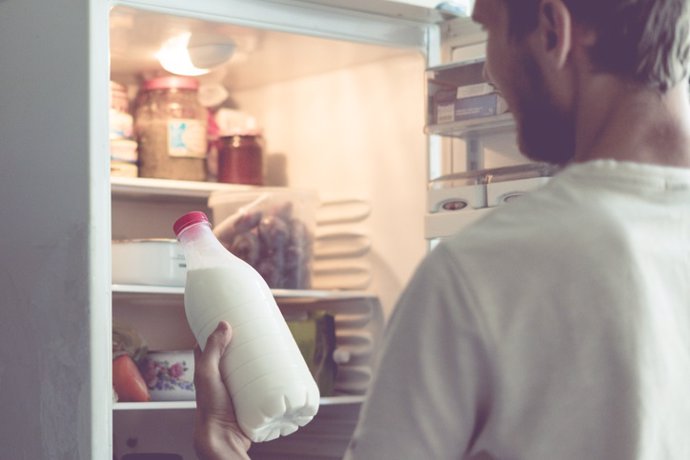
pixel 169 375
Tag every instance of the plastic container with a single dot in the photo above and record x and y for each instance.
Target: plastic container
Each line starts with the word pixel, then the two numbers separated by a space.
pixel 457 192
pixel 272 389
pixel 314 333
pixel 509 183
pixel 272 230
pixel 123 148
pixel 170 126
pixel 123 169
pixel 153 262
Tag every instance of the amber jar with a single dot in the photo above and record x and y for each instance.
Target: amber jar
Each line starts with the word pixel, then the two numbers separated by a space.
pixel 240 159
pixel 170 125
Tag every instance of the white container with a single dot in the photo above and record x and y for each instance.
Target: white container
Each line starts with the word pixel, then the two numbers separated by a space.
pixel 456 192
pixel 498 193
pixel 270 384
pixel 153 262
pixel 169 375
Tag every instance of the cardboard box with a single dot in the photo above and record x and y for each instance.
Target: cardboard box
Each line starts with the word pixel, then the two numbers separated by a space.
pixel 478 89
pixel 467 108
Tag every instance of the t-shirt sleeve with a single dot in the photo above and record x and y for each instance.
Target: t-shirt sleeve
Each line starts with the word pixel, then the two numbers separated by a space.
pixel 430 396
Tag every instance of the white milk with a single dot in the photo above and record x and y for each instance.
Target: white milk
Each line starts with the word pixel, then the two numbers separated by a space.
pixel 270 384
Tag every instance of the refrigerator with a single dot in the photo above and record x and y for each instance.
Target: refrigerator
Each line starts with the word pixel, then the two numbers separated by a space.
pixel 345 93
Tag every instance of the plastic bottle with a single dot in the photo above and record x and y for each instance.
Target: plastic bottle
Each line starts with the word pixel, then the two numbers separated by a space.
pixel 268 380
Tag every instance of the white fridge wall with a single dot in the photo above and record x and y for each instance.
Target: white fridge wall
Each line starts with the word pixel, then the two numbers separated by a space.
pixel 358 133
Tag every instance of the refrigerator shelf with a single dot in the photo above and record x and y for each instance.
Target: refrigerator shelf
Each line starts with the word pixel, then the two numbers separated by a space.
pixel 476 126
pixel 287 295
pixel 189 405
pixel 169 189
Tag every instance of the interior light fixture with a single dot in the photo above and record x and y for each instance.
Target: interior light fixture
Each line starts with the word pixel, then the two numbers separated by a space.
pixel 174 57
pixel 194 55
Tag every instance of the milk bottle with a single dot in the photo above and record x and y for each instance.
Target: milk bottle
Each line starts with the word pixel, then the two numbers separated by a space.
pixel 270 384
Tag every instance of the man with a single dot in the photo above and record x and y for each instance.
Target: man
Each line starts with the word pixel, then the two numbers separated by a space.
pixel 558 327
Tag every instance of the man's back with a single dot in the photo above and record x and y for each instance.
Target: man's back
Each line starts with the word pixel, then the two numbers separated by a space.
pixel 572 337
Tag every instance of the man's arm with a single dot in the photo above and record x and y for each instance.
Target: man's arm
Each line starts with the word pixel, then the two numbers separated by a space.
pixel 430 395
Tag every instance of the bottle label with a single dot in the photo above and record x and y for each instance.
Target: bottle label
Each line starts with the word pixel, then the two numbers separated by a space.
pixel 186 138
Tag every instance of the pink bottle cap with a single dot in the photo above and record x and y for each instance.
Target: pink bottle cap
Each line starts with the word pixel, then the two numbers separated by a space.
pixel 191 218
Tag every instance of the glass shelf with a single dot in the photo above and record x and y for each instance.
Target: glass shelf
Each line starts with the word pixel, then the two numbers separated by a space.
pixel 135 291
pixel 168 189
pixel 477 126
pixel 190 405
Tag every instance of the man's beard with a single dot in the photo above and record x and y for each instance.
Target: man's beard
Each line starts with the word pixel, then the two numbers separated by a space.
pixel 545 132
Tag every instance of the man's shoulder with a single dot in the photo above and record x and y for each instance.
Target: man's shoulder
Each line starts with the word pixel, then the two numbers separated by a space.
pixel 551 220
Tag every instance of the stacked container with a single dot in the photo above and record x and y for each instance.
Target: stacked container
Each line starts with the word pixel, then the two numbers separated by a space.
pixel 123 147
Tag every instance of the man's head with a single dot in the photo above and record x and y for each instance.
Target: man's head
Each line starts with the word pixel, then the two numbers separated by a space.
pixel 539 50
pixel 643 41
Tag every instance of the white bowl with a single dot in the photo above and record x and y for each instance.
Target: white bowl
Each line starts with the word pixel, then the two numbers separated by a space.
pixel 169 375
pixel 155 262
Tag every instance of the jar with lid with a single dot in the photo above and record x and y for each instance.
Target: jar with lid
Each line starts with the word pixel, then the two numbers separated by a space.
pixel 170 124
pixel 240 148
pixel 240 158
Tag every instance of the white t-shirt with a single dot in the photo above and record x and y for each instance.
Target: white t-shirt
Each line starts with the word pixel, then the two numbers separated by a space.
pixel 557 327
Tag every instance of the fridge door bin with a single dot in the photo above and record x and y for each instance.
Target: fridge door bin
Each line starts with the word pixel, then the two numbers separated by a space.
pixel 502 192
pixel 445 224
pixel 457 192
pixel 457 199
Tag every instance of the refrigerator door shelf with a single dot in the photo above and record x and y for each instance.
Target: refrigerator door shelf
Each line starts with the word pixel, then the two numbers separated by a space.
pixel 494 191
pixel 445 224
pixel 457 199
pixel 502 192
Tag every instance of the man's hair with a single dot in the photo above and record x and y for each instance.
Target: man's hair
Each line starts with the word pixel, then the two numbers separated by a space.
pixel 645 41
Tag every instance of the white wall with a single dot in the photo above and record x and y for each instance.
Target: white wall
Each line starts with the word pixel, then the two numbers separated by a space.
pixel 54 308
pixel 358 133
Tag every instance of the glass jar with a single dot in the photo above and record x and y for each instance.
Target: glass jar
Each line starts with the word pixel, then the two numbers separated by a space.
pixel 170 125
pixel 240 159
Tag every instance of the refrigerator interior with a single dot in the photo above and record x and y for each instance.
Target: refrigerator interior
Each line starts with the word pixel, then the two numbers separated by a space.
pixel 340 117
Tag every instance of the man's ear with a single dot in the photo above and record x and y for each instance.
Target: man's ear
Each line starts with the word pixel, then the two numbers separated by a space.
pixel 554 33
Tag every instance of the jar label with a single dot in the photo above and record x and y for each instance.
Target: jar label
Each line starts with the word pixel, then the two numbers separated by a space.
pixel 186 138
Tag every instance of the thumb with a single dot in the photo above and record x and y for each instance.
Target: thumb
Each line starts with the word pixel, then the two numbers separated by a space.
pixel 216 344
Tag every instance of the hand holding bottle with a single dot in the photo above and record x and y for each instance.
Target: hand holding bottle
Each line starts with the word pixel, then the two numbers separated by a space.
pixel 270 386
pixel 217 435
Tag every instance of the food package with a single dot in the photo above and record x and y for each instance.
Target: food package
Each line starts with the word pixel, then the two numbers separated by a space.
pixel 315 337
pixel 272 230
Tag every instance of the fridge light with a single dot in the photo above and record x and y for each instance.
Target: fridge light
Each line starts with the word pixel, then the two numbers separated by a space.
pixel 174 57
pixel 192 56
